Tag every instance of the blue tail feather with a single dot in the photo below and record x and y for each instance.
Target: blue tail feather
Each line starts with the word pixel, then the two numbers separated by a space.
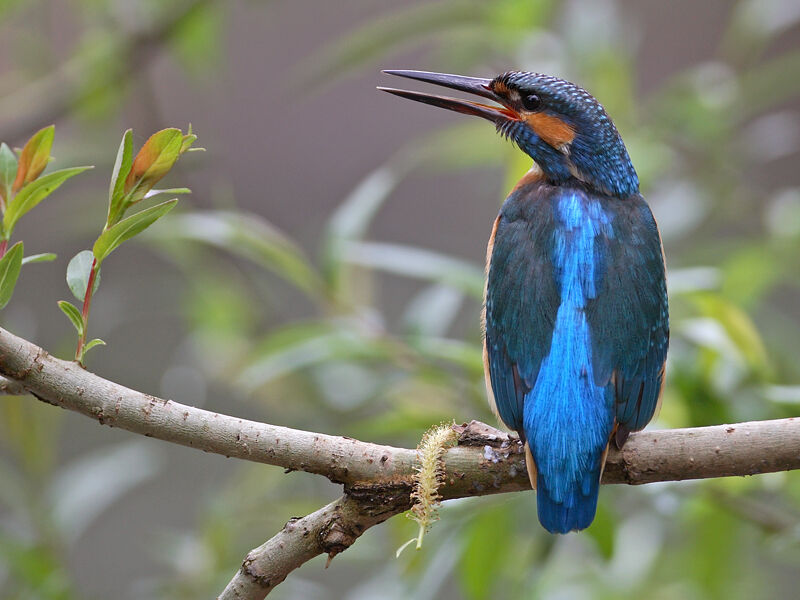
pixel 577 510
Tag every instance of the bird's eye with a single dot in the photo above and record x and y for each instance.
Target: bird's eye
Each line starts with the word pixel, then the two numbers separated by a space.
pixel 531 102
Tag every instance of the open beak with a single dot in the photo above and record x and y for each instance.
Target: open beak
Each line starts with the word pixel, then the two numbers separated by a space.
pixel 473 85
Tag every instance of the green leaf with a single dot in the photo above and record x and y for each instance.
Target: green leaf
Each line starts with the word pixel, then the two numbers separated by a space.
pixel 379 36
pixel 188 140
pixel 739 327
pixel 171 191
pixel 747 276
pixel 91 344
pixel 122 167
pixel 78 272
pixel 602 531
pixel 34 193
pixel 250 236
pixel 37 258
pixel 353 217
pixel 481 557
pixel 129 227
pixel 153 161
pixel 289 349
pixel 8 170
pixel 298 346
pixel 186 145
pixel 35 569
pixel 419 263
pixel 432 311
pixel 34 157
pixel 197 39
pixel 9 272
pixel 73 314
pixel 457 352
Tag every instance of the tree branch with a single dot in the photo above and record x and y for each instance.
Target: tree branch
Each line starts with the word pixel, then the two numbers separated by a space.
pixel 52 96
pixel 378 478
pixel 330 530
pixel 9 387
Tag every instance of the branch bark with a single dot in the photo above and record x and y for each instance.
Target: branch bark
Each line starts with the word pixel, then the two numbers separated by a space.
pixel 377 479
pixel 330 530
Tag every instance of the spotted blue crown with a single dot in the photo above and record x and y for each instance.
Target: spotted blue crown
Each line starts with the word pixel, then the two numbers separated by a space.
pixel 597 155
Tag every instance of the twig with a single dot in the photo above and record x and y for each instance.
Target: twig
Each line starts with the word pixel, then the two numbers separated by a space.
pixel 330 530
pixel 9 387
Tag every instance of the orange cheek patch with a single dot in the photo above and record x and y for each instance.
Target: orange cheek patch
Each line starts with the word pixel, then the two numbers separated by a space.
pixel 551 129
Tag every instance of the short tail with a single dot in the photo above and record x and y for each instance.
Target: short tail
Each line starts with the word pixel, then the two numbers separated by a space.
pixel 577 510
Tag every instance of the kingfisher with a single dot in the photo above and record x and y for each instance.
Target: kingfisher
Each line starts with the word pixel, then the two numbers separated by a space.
pixel 575 318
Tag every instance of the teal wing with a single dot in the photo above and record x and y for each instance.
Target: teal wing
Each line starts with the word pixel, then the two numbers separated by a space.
pixel 629 318
pixel 522 300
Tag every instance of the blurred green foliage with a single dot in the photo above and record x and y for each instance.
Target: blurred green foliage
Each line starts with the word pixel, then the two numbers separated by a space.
pixel 731 240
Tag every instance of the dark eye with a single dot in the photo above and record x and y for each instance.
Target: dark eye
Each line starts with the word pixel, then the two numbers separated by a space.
pixel 531 102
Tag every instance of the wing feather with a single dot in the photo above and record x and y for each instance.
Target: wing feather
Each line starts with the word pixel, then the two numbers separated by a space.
pixel 522 298
pixel 629 317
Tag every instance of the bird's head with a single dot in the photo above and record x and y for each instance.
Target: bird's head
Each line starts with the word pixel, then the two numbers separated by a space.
pixel 562 127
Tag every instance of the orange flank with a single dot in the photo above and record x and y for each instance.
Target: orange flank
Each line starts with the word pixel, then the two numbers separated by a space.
pixel 489 392
pixel 550 128
pixel 533 175
pixel 661 373
pixel 530 465
pixel 490 246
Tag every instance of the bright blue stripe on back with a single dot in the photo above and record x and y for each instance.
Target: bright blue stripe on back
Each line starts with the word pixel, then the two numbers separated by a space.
pixel 568 419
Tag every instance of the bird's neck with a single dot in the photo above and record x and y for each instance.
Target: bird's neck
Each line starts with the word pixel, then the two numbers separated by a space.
pixel 605 167
pixel 601 165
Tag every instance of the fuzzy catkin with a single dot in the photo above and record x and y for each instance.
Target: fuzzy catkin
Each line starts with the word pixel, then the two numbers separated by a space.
pixel 429 476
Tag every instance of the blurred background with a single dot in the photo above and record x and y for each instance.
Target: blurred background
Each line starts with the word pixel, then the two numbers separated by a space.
pixel 326 274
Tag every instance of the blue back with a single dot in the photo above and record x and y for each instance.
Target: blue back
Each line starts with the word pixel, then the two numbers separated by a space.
pixel 576 333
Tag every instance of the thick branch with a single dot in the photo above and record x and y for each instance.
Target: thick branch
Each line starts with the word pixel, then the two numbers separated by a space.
pixel 473 468
pixel 66 384
pixel 713 444
pixel 378 478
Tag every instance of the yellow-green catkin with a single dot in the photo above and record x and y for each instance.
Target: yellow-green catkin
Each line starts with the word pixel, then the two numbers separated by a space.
pixel 429 476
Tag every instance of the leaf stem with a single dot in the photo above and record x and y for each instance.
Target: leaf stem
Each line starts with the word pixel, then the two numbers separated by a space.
pixel 87 303
pixel 420 536
pixel 3 247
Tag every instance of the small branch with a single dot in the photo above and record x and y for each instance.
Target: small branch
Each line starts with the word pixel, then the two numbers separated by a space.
pixel 330 530
pixel 87 303
pixel 10 387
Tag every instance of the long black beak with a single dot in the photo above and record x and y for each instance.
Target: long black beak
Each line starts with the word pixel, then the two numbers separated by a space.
pixel 472 85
